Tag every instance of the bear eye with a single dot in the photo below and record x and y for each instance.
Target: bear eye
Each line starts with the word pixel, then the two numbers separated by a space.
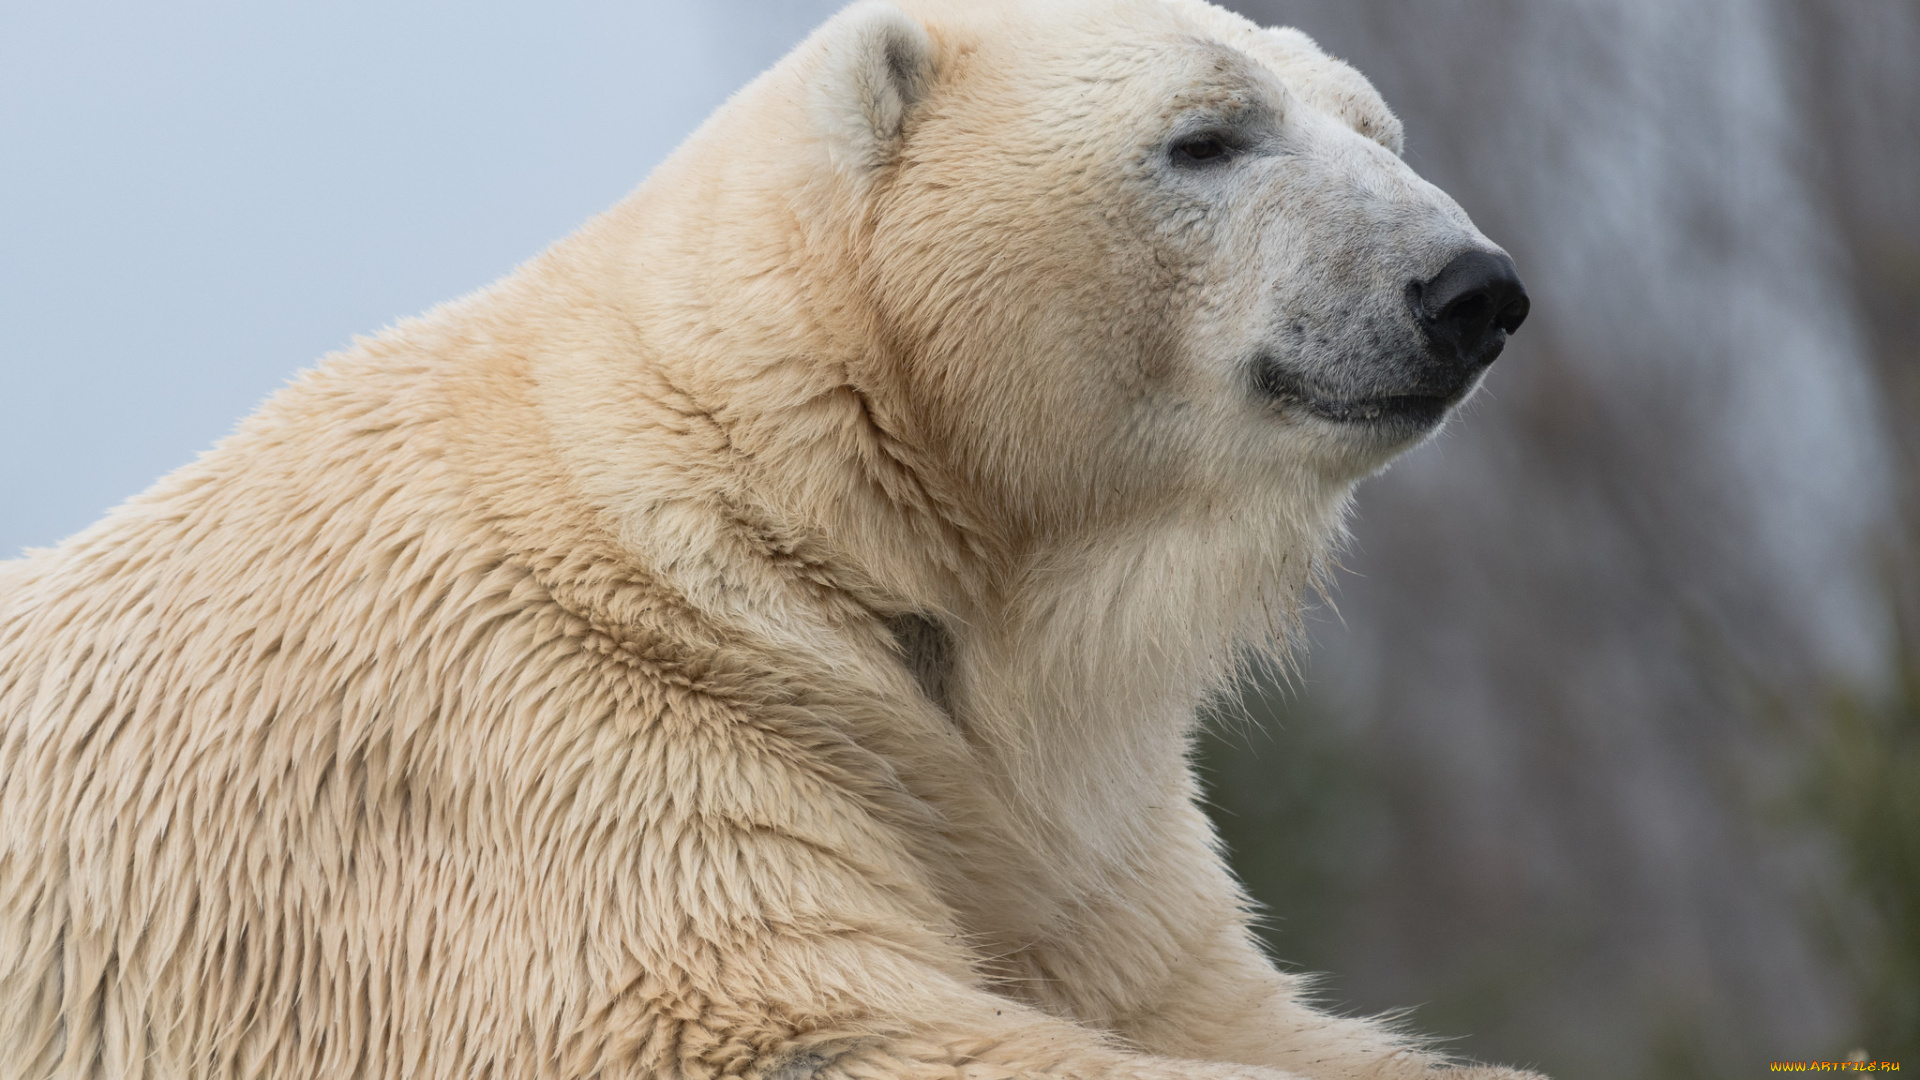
pixel 1201 149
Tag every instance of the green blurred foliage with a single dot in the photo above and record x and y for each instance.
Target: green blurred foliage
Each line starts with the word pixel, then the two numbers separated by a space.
pixel 1305 806
pixel 1305 813
pixel 1300 815
pixel 1306 809
pixel 1866 791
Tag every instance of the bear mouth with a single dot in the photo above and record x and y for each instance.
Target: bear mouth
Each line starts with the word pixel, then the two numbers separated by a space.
pixel 1285 392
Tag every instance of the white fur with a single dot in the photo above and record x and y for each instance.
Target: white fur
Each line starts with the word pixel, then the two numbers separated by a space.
pixel 513 695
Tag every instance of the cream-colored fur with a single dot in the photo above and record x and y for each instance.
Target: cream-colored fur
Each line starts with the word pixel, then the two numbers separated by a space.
pixel 514 695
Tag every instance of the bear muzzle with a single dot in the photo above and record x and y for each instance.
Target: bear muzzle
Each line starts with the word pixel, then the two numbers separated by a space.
pixel 1455 325
pixel 1396 373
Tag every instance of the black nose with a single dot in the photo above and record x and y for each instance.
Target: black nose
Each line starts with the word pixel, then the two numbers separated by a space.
pixel 1471 305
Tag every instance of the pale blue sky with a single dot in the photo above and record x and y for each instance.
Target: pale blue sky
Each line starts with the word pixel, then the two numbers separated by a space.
pixel 199 198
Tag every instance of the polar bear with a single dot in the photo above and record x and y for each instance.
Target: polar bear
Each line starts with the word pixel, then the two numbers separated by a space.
pixel 761 636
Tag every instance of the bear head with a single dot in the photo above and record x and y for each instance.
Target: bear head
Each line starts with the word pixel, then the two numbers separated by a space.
pixel 1095 309
pixel 1132 248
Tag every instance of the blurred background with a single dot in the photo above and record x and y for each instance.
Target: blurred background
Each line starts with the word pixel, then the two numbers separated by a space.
pixel 1609 760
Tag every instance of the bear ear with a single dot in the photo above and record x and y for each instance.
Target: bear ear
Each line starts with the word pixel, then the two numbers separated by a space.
pixel 878 63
